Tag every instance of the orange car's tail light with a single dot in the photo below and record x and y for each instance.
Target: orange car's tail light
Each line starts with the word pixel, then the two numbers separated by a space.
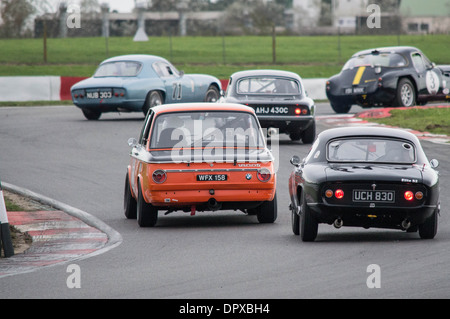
pixel 264 175
pixel 159 176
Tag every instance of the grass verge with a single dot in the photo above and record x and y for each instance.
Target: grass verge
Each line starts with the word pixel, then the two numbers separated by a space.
pixel 434 120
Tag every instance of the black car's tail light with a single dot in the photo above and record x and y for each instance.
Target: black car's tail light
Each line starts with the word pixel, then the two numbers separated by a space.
pixel 329 193
pixel 159 176
pixel 264 175
pixel 419 195
pixel 339 193
pixel 409 195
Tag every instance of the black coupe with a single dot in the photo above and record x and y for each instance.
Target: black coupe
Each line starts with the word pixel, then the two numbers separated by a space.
pixel 279 100
pixel 365 177
pixel 391 76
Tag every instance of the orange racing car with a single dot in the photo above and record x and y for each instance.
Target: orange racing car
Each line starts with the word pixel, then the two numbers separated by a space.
pixel 200 157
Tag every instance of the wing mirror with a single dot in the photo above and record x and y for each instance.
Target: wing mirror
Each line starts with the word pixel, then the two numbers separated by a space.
pixel 132 142
pixel 434 163
pixel 295 160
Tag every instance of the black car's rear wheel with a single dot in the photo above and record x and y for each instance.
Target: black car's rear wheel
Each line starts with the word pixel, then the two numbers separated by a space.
pixel 309 134
pixel 267 211
pixel 341 108
pixel 406 93
pixel 147 214
pixel 429 229
pixel 308 224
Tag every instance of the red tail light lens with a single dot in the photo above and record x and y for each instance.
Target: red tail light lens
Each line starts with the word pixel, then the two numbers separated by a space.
pixel 264 175
pixel 339 193
pixel 409 195
pixel 298 111
pixel 159 176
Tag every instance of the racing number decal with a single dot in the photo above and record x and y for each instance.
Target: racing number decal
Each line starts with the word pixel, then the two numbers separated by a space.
pixel 432 81
pixel 177 88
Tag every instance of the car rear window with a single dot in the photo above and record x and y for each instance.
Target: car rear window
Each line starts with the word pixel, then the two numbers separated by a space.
pixel 206 129
pixel 378 150
pixel 391 60
pixel 268 85
pixel 121 68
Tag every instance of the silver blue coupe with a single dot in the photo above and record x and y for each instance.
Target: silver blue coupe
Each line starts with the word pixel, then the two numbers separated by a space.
pixel 136 83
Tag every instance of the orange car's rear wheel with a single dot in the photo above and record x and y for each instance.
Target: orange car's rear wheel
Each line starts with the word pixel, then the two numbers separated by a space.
pixel 147 214
pixel 129 203
pixel 267 211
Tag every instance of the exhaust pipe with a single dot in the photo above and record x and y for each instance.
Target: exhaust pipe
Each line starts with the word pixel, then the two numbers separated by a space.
pixel 213 204
pixel 338 223
pixel 272 131
pixel 406 224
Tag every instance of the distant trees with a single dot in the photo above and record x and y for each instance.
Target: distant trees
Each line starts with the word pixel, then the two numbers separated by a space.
pixel 14 15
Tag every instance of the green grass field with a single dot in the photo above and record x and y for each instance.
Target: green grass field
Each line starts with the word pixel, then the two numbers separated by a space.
pixel 309 56
pixel 433 120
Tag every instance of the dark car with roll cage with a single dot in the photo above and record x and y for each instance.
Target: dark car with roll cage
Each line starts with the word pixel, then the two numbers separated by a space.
pixel 279 100
pixel 365 177
pixel 390 76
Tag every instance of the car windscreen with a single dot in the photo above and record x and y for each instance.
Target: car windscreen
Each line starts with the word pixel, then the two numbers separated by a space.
pixel 378 150
pixel 120 68
pixel 268 85
pixel 215 129
pixel 391 60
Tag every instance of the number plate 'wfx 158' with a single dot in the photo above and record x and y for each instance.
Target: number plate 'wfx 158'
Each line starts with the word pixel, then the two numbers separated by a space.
pixel 212 177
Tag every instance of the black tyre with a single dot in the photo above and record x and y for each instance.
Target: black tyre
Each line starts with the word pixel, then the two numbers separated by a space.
pixel 154 98
pixel 212 95
pixel 147 214
pixel 406 93
pixel 341 108
pixel 91 114
pixel 295 136
pixel 309 135
pixel 295 220
pixel 428 230
pixel 129 203
pixel 267 211
pixel 308 225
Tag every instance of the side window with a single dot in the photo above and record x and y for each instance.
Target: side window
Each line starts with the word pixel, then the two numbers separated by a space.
pixel 418 62
pixel 146 128
pixel 157 69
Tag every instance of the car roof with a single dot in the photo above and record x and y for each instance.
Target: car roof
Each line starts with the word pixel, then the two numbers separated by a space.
pixel 396 49
pixel 136 57
pixel 248 73
pixel 362 131
pixel 203 107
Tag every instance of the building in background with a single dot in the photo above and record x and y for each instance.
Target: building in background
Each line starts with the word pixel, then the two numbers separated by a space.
pixel 425 17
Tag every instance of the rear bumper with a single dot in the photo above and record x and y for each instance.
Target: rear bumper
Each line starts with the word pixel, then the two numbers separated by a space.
pixel 287 124
pixel 209 199
pixel 380 96
pixel 111 105
pixel 382 217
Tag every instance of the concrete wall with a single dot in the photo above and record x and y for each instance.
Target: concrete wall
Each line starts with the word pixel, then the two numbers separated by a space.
pixel 55 88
